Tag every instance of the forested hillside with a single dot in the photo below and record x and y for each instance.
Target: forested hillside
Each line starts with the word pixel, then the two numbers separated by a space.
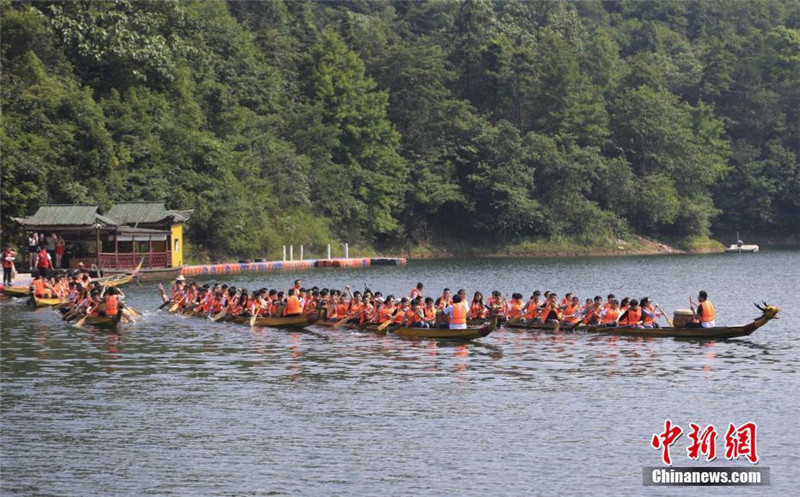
pixel 388 124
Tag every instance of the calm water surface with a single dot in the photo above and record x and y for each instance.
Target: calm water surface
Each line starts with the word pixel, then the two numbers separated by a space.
pixel 183 406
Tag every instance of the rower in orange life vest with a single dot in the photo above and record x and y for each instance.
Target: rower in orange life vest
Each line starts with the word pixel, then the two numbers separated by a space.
pixel 551 313
pixel 293 307
pixel 416 292
pixel 593 313
pixel 515 306
pixel 632 316
pixel 457 314
pixel 649 314
pixel 611 314
pixel 110 303
pixel 572 311
pixel 445 300
pixel 41 288
pixel 704 314
pixel 478 309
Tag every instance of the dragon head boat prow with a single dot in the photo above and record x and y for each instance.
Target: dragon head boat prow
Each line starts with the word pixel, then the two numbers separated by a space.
pixel 769 311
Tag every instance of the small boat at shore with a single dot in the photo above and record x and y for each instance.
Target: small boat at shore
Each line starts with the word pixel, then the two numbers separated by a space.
pixel 768 313
pixel 739 247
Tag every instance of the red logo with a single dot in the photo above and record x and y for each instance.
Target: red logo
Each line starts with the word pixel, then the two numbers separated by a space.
pixel 739 442
pixel 665 439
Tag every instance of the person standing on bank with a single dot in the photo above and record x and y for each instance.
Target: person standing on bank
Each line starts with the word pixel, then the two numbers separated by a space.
pixel 8 265
pixel 61 248
pixel 33 247
pixel 43 262
pixel 704 314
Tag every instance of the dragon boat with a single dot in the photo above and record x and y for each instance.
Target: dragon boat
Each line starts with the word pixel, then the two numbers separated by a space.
pixel 768 313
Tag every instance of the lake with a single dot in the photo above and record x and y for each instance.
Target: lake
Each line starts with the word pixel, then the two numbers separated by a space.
pixel 184 406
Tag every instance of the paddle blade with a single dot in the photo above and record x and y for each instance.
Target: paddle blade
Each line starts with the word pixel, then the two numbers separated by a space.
pixel 253 319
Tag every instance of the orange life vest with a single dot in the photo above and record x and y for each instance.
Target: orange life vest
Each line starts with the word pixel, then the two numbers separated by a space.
pixel 477 311
pixel 611 316
pixel 385 313
pixel 516 309
pixel 430 314
pixel 707 312
pixel 40 288
pixel 292 306
pixel 400 316
pixel 532 311
pixel 571 313
pixel 649 317
pixel 459 314
pixel 111 305
pixel 632 317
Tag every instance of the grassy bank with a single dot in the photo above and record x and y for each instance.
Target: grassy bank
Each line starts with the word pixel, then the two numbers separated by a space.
pixel 561 247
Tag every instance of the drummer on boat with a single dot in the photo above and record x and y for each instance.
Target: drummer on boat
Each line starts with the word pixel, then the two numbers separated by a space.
pixel 704 314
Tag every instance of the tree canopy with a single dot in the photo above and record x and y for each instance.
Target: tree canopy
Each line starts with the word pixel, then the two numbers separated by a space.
pixel 388 124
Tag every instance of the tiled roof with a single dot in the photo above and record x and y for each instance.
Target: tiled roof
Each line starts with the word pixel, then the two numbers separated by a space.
pixel 67 215
pixel 139 212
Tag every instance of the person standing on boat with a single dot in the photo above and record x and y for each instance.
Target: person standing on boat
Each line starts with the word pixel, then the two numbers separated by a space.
pixel 704 314
pixel 8 264
pixel 416 292
pixel 457 314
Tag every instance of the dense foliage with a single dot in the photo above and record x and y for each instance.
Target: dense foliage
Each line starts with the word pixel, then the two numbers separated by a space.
pixel 390 123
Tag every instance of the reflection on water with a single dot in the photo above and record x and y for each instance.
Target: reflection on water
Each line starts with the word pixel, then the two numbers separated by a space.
pixel 185 406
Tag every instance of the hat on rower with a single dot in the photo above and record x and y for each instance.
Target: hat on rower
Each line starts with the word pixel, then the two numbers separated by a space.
pixel 180 278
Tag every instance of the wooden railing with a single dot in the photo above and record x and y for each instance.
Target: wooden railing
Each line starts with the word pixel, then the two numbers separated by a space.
pixel 110 260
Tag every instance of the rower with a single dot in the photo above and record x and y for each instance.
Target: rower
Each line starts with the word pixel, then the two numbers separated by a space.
pixel 611 314
pixel 416 292
pixel 429 313
pixel 457 314
pixel 110 303
pixel 594 314
pixel 41 288
pixel 649 314
pixel 478 310
pixel 572 311
pixel 632 316
pixel 551 313
pixel 445 300
pixel 415 317
pixel 293 307
pixel 515 306
pixel 704 314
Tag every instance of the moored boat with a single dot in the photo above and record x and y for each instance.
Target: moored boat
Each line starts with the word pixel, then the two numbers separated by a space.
pixel 446 333
pixel 45 302
pixel 17 291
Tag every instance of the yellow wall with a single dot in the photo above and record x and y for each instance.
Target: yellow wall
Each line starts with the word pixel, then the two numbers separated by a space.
pixel 176 236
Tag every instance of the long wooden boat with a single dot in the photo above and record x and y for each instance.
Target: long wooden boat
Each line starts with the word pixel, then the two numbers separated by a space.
pixel 149 274
pixel 45 302
pixel 369 328
pixel 292 322
pixel 280 323
pixel 108 323
pixel 446 333
pixel 516 324
pixel 768 312
pixel 17 291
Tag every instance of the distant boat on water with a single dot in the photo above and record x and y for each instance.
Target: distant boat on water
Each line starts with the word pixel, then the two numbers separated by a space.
pixel 740 247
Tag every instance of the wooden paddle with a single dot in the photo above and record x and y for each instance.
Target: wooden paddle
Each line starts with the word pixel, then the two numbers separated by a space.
pixel 385 324
pixel 174 306
pixel 255 314
pixel 669 321
pixel 81 320
pixel 340 322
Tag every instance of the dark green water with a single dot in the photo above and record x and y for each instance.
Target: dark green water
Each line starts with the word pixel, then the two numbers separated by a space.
pixel 183 406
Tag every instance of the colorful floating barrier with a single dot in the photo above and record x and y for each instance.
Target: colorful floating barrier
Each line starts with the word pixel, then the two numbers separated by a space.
pixel 252 267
